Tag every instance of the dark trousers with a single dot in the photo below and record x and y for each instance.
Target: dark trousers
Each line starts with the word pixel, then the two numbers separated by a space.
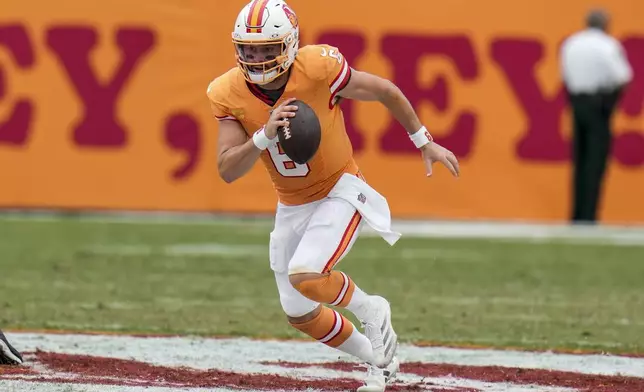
pixel 591 146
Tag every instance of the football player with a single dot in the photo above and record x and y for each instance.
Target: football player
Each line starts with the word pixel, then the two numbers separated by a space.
pixel 316 222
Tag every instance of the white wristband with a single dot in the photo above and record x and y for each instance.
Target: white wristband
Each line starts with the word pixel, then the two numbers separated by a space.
pixel 260 139
pixel 421 137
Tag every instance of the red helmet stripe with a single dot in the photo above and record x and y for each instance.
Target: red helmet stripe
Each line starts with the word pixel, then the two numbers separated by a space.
pixel 262 7
pixel 251 11
pixel 256 16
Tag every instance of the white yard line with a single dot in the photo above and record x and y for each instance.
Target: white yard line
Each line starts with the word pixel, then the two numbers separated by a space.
pixel 583 364
pixel 245 354
pixel 538 232
pixel 21 386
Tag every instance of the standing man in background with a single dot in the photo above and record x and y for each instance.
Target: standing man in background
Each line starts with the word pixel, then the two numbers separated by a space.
pixel 595 71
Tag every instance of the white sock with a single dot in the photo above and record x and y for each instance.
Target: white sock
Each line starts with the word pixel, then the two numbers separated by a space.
pixel 358 345
pixel 359 303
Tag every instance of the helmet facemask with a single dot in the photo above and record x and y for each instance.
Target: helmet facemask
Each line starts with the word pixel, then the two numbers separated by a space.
pixel 261 62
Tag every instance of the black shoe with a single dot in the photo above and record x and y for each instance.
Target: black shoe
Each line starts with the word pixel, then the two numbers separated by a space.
pixel 8 354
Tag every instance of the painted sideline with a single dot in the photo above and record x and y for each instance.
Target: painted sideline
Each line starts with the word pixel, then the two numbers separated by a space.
pixel 228 353
pixel 538 232
pixel 425 343
pixel 193 363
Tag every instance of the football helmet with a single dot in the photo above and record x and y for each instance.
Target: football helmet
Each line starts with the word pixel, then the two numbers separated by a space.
pixel 266 38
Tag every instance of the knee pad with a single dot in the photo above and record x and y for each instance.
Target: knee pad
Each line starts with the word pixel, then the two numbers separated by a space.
pixel 293 303
pixel 297 306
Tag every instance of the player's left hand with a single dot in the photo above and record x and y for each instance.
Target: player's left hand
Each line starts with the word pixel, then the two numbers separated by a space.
pixel 434 152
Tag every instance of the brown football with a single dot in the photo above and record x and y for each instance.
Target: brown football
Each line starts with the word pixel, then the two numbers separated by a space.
pixel 301 139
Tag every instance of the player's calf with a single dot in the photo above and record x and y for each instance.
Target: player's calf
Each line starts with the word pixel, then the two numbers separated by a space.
pixel 333 329
pixel 334 288
pixel 337 289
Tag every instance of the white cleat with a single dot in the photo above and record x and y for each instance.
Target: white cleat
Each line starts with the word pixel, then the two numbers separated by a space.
pixel 378 328
pixel 8 354
pixel 378 379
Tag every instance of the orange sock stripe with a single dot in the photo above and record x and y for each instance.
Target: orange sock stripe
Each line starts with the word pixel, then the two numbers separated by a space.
pixel 334 326
pixel 341 336
pixel 320 326
pixel 335 289
pixel 328 327
pixel 338 324
pixel 345 333
pixel 345 286
pixel 346 291
pixel 347 297
pixel 344 243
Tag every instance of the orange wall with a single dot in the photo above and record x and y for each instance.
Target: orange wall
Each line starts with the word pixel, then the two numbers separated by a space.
pixel 102 104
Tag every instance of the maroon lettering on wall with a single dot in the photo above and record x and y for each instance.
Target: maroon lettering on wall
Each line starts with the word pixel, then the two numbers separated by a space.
pixel 182 134
pixel 634 96
pixel 99 125
pixel 351 45
pixel 405 52
pixel 629 144
pixel 543 140
pixel 15 128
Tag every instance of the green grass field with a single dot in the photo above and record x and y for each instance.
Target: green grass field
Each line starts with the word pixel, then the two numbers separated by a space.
pixel 214 279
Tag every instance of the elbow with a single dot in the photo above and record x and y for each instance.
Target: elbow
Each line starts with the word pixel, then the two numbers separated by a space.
pixel 227 177
pixel 388 91
pixel 225 174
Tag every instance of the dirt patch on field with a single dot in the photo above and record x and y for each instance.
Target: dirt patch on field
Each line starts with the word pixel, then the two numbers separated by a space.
pixel 84 369
pixel 125 363
pixel 581 382
pixel 110 371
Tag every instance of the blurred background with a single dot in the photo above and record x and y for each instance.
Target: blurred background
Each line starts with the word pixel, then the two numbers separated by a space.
pixel 103 105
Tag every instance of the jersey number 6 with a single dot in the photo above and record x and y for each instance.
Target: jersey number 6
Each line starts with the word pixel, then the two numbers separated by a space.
pixel 284 165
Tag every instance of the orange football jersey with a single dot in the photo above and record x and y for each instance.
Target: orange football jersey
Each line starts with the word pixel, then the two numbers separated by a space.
pixel 317 75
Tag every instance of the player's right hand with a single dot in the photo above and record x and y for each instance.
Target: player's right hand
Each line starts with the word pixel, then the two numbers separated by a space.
pixel 279 117
pixel 434 152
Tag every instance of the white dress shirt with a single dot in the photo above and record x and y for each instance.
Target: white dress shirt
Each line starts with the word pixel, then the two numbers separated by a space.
pixel 592 61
